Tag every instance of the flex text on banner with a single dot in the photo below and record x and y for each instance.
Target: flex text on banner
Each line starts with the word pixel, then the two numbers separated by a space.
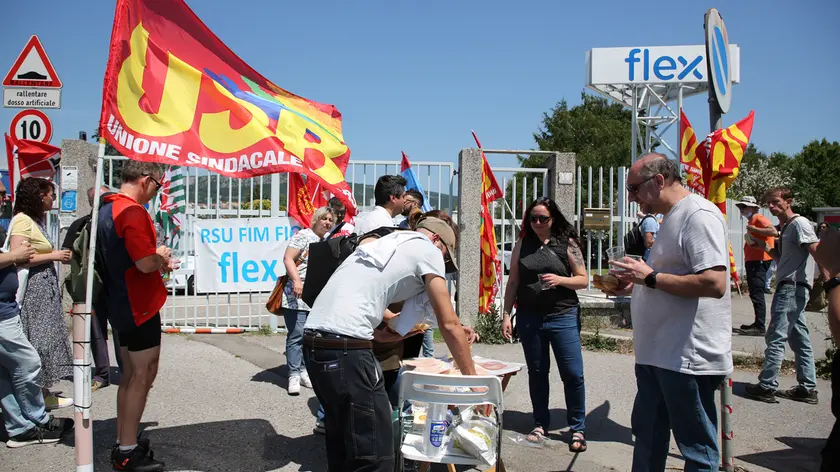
pixel 240 255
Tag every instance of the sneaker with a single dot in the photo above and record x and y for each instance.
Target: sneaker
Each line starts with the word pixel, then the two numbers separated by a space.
pixel 768 291
pixel 141 442
pixel 304 380
pixel 97 384
pixel 138 460
pixel 752 330
pixel 757 392
pixel 799 394
pixel 48 433
pixel 320 427
pixel 54 402
pixel 294 385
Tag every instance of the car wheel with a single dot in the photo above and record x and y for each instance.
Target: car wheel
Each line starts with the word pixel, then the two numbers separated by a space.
pixel 191 285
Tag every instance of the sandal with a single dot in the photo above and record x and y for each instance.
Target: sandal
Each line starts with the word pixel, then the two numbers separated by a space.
pixel 538 435
pixel 577 438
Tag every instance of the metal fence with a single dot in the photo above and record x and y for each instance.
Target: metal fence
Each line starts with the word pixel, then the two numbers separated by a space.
pixel 606 188
pixel 211 196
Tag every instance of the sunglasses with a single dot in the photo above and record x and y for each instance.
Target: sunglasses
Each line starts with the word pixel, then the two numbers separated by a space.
pixel 634 188
pixel 158 185
pixel 540 219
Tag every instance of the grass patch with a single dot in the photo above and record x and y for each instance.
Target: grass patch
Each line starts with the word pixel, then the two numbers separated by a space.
pixel 438 336
pixel 597 342
pixel 265 330
pixel 755 364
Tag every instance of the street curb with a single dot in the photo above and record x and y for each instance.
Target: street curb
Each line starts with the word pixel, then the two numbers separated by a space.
pixel 630 338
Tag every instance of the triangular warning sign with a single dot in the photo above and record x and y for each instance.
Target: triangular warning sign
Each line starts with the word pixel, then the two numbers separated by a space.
pixel 32 68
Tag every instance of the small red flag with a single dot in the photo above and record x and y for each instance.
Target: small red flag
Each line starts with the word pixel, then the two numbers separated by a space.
pixel 404 164
pixel 10 160
pixel 37 159
pixel 300 201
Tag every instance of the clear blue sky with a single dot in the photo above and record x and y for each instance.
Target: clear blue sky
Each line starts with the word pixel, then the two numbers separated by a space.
pixel 417 76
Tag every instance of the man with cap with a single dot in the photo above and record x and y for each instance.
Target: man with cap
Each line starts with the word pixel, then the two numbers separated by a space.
pixel 348 315
pixel 756 262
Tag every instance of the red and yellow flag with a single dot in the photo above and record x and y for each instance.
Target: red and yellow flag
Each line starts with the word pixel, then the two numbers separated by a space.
pixel 175 94
pixel 711 175
pixel 491 265
pixel 692 157
pixel 728 146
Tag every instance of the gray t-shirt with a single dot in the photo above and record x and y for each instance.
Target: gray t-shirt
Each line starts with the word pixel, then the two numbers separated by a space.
pixel 687 335
pixel 354 300
pixel 795 263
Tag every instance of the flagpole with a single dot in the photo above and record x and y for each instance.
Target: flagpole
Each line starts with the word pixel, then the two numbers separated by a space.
pixel 81 340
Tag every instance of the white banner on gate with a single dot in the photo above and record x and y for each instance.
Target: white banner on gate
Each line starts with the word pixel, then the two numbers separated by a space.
pixel 240 255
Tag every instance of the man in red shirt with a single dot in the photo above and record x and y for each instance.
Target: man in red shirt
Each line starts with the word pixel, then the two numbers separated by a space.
pixel 130 265
pixel 756 262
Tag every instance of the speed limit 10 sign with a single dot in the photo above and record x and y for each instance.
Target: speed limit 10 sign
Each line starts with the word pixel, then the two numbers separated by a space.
pixel 32 125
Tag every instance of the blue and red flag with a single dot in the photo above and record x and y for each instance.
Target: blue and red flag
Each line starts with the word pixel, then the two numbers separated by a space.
pixel 412 182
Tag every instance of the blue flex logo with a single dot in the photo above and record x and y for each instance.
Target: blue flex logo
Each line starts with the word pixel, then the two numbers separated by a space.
pixel 662 67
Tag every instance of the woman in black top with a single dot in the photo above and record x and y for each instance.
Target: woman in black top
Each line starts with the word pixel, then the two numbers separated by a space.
pixel 546 267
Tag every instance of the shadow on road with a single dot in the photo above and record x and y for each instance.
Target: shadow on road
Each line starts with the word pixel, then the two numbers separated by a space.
pixel 739 390
pixel 803 454
pixel 599 426
pixel 276 375
pixel 235 445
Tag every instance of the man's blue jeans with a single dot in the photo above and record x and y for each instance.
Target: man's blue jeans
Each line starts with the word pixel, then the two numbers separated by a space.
pixel 20 397
pixel 787 323
pixel 429 343
pixel 295 320
pixel 667 400
pixel 539 336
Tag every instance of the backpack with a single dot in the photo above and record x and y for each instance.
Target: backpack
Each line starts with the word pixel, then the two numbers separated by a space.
pixel 634 241
pixel 76 279
pixel 326 256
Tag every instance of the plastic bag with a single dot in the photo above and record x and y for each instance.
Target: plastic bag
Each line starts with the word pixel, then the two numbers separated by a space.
pixel 522 440
pixel 477 437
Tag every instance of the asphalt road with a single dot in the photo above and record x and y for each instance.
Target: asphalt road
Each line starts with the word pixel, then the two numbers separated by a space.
pixel 220 404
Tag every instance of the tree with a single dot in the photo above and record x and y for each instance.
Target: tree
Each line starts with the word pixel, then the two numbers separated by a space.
pixel 752 155
pixel 757 176
pixel 596 130
pixel 816 171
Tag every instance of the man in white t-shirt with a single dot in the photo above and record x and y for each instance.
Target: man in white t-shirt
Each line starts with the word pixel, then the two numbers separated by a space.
pixel 389 196
pixel 794 275
pixel 348 314
pixel 682 326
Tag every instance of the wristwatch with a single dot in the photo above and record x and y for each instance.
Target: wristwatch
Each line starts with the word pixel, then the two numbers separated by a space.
pixel 650 280
pixel 830 284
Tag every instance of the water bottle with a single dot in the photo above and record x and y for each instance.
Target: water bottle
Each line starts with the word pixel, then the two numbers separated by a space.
pixel 435 430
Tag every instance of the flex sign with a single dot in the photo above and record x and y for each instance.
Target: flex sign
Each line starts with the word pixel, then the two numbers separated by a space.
pixel 240 255
pixel 651 65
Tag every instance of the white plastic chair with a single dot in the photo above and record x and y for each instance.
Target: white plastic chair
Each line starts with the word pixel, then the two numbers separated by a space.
pixel 437 388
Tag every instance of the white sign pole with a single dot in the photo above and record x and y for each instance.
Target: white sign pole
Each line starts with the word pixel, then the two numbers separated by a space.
pixel 81 341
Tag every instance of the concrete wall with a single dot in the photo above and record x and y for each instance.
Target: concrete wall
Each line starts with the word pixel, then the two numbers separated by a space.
pixel 80 154
pixel 561 182
pixel 469 224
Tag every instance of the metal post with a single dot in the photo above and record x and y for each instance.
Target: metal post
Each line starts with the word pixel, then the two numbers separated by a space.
pixel 679 134
pixel 275 212
pixel 634 126
pixel 726 433
pixel 81 335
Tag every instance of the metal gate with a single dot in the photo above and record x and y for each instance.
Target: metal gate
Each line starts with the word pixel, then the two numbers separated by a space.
pixel 211 196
